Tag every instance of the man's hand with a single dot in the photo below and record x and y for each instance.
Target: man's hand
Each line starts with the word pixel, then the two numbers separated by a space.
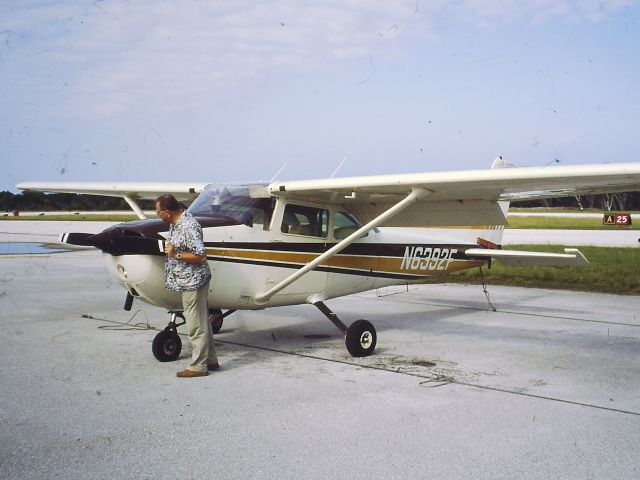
pixel 169 249
pixel 187 256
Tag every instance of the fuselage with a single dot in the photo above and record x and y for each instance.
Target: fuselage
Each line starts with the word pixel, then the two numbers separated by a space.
pixel 272 238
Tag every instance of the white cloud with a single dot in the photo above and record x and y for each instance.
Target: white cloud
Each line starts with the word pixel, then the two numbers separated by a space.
pixel 116 56
pixel 126 53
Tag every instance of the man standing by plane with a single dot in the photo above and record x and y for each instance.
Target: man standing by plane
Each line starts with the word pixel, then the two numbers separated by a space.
pixel 187 271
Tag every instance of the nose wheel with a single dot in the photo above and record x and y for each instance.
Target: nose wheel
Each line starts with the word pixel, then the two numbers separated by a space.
pixel 167 345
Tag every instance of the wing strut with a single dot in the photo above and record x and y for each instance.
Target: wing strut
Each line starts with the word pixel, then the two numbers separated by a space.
pixel 416 194
pixel 134 206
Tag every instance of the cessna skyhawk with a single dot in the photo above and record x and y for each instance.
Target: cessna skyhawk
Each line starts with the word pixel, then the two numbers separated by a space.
pixel 295 242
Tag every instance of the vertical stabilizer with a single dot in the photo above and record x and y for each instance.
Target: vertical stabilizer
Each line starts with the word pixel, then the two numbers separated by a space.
pixel 494 237
pixel 500 162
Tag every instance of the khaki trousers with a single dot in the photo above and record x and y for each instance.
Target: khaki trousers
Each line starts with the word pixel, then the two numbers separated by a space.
pixel 196 314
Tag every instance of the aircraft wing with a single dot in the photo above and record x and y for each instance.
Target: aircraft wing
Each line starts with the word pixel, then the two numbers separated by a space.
pixel 491 184
pixel 460 197
pixel 133 190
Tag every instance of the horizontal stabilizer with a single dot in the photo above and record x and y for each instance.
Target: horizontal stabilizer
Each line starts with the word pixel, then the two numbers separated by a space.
pixel 571 257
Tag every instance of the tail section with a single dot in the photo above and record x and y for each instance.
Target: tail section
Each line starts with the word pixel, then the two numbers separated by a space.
pixel 492 237
pixel 500 162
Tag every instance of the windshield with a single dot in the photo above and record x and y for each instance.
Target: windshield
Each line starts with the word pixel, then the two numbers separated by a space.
pixel 234 202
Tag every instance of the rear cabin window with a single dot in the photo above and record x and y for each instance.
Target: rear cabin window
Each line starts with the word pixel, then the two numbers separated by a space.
pixel 303 220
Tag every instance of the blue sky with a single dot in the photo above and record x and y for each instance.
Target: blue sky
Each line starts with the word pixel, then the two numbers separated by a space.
pixel 106 90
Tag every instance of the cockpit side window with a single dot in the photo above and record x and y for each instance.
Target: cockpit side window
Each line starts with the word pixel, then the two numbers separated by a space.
pixel 234 202
pixel 303 220
pixel 344 225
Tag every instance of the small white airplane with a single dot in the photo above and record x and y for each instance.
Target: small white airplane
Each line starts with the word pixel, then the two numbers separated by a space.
pixel 296 242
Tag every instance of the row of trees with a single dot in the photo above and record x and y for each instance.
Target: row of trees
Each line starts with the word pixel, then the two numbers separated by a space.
pixel 608 202
pixel 36 201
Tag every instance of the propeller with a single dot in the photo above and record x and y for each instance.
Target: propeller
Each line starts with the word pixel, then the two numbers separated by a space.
pixel 116 241
pixel 139 237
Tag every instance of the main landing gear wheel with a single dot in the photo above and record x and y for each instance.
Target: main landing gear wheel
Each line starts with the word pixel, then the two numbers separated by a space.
pixel 166 346
pixel 215 319
pixel 361 338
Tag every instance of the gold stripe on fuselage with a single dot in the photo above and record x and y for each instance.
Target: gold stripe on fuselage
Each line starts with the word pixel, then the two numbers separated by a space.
pixel 357 263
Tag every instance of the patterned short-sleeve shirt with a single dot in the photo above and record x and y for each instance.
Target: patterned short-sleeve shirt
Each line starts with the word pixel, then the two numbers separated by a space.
pixel 186 236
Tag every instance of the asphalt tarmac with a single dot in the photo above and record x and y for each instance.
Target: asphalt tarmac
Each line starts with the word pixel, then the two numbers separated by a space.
pixel 546 386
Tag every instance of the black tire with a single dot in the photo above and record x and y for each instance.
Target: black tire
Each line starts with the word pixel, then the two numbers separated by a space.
pixel 361 338
pixel 166 346
pixel 215 319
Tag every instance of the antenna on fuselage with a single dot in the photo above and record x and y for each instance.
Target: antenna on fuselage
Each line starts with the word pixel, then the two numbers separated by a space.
pixel 278 172
pixel 339 167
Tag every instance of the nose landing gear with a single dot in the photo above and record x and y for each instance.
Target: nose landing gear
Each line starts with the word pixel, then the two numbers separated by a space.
pixel 167 345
